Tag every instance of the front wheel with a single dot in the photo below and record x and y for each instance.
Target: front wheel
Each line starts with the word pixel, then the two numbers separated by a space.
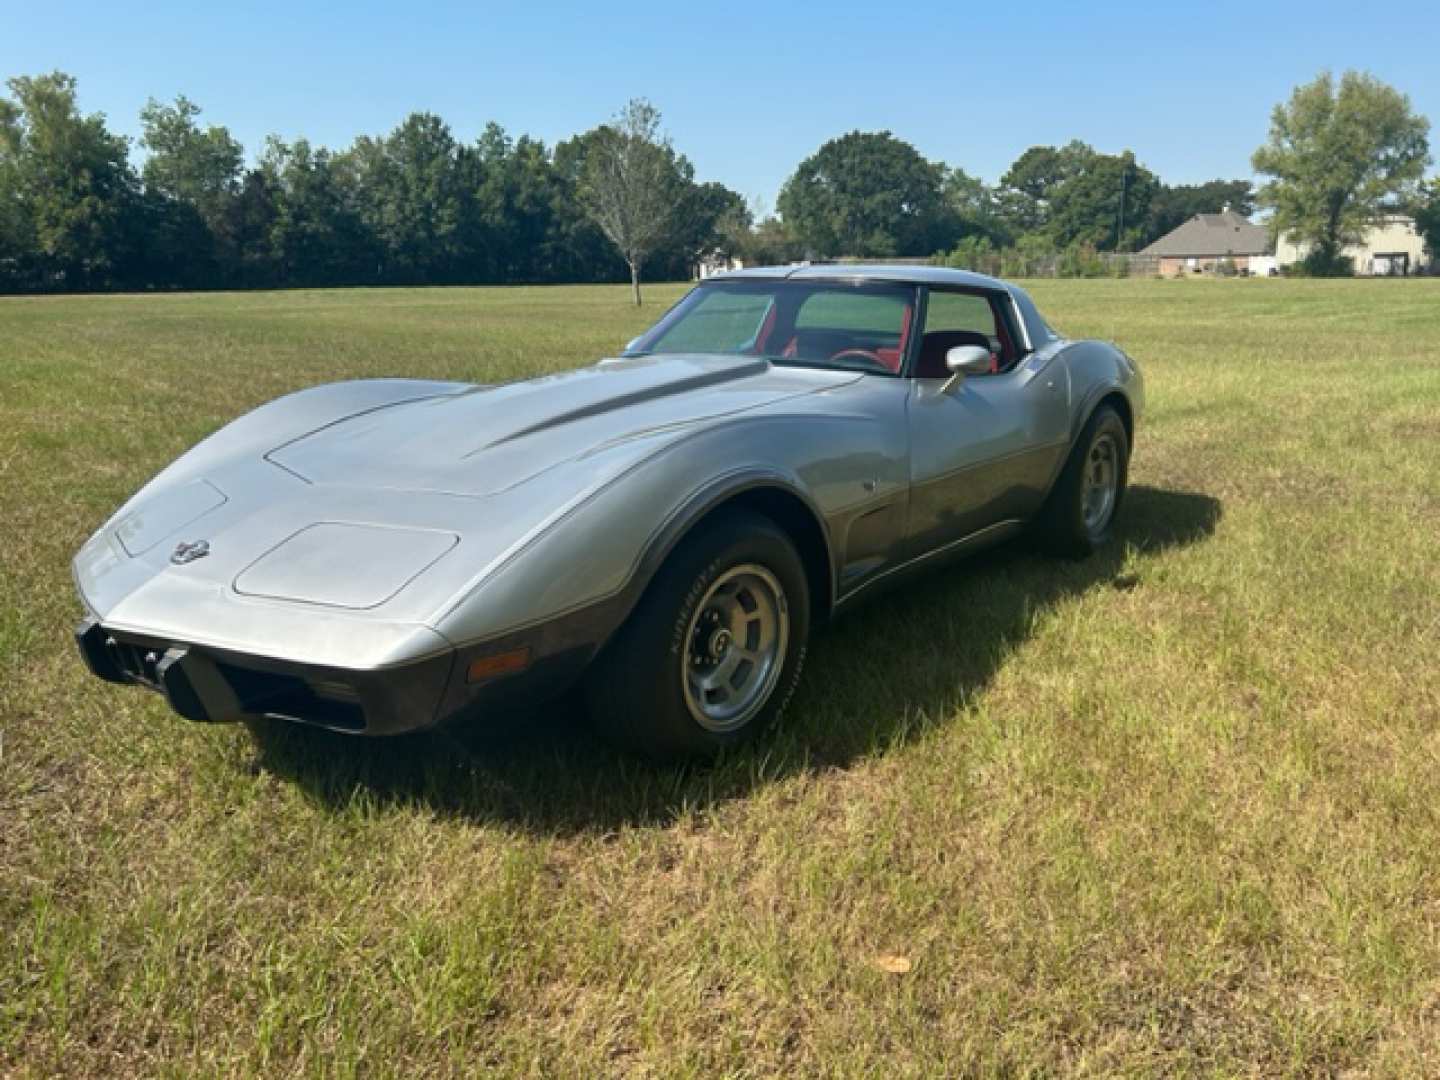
pixel 713 650
pixel 1080 513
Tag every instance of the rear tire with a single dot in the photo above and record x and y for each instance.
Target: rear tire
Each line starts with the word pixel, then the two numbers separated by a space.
pixel 713 651
pixel 1080 514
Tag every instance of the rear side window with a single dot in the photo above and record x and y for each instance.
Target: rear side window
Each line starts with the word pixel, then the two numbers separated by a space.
pixel 960 311
pixel 964 318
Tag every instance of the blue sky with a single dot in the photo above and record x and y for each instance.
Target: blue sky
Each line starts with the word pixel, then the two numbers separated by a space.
pixel 747 90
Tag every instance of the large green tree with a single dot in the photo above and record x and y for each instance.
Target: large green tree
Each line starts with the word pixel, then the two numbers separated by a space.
pixel 1073 194
pixel 188 163
pixel 713 220
pixel 771 242
pixel 17 220
pixel 317 236
pixel 518 201
pixel 1174 204
pixel 975 209
pixel 1104 204
pixel 247 229
pixel 66 187
pixel 414 191
pixel 1030 185
pixel 1427 217
pixel 1338 154
pixel 576 247
pixel 866 193
pixel 190 177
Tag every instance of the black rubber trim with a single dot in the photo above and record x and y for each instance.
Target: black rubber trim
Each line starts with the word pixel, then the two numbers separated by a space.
pixel 91 638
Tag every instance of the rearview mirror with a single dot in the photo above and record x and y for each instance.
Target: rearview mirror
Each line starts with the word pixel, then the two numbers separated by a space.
pixel 965 360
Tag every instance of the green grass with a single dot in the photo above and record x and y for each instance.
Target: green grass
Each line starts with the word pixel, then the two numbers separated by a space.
pixel 1172 810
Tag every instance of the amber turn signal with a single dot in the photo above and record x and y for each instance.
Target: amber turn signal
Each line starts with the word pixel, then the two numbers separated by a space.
pixel 505 663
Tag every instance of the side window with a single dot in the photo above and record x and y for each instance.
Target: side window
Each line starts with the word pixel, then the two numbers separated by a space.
pixel 963 318
pixel 961 311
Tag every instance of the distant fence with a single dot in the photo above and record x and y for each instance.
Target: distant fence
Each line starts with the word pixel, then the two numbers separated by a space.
pixel 1013 263
pixel 1085 263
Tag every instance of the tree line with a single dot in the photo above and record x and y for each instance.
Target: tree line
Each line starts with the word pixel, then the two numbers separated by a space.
pixel 414 207
pixel 418 206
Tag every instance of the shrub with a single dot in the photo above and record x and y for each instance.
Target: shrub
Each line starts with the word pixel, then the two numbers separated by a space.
pixel 1079 261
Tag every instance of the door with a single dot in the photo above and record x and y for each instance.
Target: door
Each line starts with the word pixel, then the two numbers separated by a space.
pixel 983 450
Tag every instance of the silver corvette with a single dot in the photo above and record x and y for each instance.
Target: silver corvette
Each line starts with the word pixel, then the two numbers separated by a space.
pixel 664 528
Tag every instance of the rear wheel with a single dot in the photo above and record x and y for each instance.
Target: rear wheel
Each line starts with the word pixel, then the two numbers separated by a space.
pixel 1080 513
pixel 713 651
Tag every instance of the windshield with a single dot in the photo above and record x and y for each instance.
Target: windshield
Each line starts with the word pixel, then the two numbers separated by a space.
pixel 803 324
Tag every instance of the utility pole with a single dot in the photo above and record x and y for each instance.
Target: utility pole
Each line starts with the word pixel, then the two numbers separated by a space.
pixel 1120 229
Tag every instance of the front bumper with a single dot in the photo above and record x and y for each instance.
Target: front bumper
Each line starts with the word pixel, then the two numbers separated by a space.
pixel 207 684
pixel 213 685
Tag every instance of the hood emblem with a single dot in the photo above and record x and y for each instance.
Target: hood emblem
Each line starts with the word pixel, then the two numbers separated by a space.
pixel 188 553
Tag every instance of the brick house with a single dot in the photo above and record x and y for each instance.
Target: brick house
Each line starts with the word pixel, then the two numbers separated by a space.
pixel 1203 241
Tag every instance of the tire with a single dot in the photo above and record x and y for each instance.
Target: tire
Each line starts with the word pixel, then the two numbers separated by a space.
pixel 1077 517
pixel 730 608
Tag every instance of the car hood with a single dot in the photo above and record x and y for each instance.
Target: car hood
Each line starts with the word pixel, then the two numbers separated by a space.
pixel 487 439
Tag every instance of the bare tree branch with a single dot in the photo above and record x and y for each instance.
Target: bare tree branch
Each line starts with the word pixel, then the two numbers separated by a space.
pixel 632 185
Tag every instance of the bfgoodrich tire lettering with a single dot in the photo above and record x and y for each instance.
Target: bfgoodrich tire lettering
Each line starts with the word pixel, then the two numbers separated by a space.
pixel 713 650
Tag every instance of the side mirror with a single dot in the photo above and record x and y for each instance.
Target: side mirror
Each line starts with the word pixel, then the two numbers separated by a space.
pixel 965 360
pixel 630 345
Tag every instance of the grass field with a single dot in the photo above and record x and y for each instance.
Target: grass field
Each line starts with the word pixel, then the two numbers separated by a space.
pixel 1172 810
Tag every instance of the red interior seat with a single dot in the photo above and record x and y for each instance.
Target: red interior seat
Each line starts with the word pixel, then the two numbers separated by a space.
pixel 893 358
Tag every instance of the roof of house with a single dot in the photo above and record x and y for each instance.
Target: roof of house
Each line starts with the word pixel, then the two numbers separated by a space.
pixel 1212 235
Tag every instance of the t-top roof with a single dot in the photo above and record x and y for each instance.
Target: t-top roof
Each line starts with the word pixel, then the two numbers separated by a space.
pixel 918 275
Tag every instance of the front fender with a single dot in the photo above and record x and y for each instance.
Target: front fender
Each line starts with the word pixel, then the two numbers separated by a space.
pixel 601 553
pixel 732 485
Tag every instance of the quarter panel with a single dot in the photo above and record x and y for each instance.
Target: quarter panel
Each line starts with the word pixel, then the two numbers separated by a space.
pixel 1097 369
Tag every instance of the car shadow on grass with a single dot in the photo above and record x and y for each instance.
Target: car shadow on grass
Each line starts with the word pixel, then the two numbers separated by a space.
pixel 879 677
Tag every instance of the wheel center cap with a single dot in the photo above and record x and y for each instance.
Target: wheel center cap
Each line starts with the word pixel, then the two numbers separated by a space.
pixel 719 644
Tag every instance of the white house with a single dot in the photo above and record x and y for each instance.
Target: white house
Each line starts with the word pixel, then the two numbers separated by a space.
pixel 716 263
pixel 1393 246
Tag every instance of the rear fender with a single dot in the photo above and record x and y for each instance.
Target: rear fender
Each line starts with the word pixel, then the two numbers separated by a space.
pixel 1097 370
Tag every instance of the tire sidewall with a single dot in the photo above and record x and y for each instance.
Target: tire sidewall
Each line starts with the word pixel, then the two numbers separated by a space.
pixel 637 689
pixel 1104 422
pixel 767 548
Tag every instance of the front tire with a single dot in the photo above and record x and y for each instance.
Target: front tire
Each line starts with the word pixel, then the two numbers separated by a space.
pixel 1080 514
pixel 713 651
